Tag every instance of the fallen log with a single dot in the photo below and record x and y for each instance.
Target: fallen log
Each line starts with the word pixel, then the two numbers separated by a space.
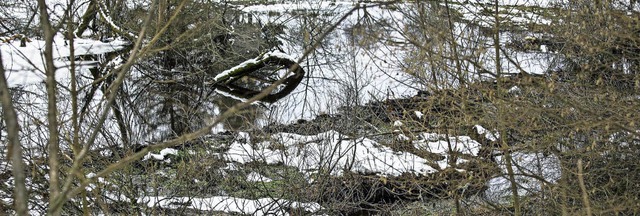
pixel 224 81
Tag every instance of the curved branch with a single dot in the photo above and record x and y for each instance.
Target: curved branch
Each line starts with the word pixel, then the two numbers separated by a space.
pixel 224 80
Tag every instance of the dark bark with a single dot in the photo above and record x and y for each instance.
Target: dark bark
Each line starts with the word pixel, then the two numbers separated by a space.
pixel 89 15
pixel 15 149
pixel 225 84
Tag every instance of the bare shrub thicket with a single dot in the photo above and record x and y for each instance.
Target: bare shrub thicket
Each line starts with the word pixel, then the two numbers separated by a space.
pixel 580 110
pixel 80 151
pixel 82 147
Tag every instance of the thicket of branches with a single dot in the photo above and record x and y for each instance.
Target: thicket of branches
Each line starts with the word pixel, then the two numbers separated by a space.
pixel 582 110
pixel 158 90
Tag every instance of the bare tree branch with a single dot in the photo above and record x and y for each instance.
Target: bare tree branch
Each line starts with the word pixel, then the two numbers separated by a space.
pixel 21 197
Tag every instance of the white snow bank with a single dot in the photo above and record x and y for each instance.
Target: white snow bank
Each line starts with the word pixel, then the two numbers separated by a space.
pixel 329 151
pixel 335 153
pixel 264 206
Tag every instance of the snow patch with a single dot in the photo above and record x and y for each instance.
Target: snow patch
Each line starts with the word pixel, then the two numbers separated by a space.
pixel 162 155
pixel 492 136
pixel 256 177
pixel 249 62
pixel 444 145
pixel 331 152
pixel 402 137
pixel 514 90
pixel 419 114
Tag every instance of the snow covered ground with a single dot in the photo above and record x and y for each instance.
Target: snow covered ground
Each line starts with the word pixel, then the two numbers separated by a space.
pixel 335 153
pixel 330 152
pixel 346 74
